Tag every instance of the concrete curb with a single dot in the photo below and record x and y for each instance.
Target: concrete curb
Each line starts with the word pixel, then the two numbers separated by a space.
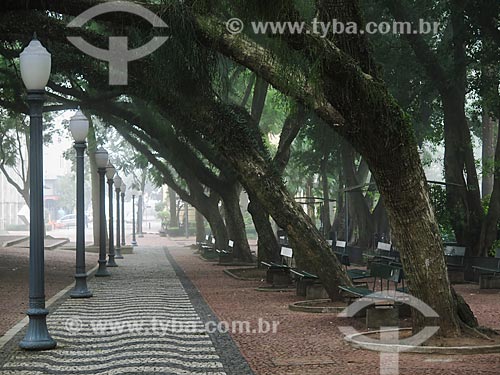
pixel 241 264
pixel 57 244
pixel 23 322
pixel 308 307
pixel 395 348
pixel 271 289
pixel 207 260
pixel 231 274
pixel 15 241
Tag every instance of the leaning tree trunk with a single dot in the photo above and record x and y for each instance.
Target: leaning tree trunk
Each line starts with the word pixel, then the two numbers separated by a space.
pixel 200 227
pixel 172 206
pixel 235 223
pixel 210 210
pixel 268 249
pixel 400 179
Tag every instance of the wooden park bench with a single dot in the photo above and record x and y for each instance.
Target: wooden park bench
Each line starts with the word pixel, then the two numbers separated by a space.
pixel 455 257
pixel 382 273
pixel 343 257
pixel 226 255
pixel 308 285
pixel 207 248
pixel 384 253
pixel 279 274
pixel 201 244
pixel 489 277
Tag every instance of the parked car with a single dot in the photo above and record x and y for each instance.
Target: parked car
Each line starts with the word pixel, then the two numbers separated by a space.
pixel 66 221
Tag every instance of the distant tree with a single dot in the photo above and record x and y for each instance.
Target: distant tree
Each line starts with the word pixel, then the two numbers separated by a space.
pixel 14 150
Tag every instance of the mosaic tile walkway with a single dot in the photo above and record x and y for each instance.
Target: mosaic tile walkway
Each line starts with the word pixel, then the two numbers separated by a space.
pixel 146 318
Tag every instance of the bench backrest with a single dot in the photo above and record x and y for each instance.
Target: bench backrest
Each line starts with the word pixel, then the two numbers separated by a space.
pixel 343 258
pixel 387 250
pixel 457 251
pixel 340 245
pixel 385 272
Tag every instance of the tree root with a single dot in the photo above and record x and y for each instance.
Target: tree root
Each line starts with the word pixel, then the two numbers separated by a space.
pixel 476 331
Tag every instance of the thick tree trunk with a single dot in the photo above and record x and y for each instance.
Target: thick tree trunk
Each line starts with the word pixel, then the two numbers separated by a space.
pixel 310 247
pixel 235 223
pixel 200 227
pixel 380 220
pixel 488 152
pixel 489 231
pixel 462 194
pixel 360 216
pixel 172 207
pixel 339 217
pixel 219 230
pixel 414 226
pixel 268 249
pixel 326 198
pixel 310 201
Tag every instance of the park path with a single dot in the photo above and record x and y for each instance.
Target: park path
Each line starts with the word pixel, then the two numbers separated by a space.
pixel 146 318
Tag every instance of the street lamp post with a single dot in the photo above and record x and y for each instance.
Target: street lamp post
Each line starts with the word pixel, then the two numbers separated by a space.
pixel 35 63
pixel 140 210
pixel 134 242
pixel 118 183
pixel 110 173
pixel 123 189
pixel 101 158
pixel 79 127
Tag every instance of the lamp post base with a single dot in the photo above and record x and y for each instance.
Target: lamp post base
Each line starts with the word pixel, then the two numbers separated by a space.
pixel 118 253
pixel 111 261
pixel 80 290
pixel 134 243
pixel 102 270
pixel 37 337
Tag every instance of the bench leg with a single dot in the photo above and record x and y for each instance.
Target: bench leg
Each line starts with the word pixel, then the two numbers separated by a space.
pixel 489 281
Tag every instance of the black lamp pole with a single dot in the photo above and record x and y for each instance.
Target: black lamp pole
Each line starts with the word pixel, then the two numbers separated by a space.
pixel 102 270
pixel 134 242
pixel 140 210
pixel 111 255
pixel 123 218
pixel 80 290
pixel 118 254
pixel 37 336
